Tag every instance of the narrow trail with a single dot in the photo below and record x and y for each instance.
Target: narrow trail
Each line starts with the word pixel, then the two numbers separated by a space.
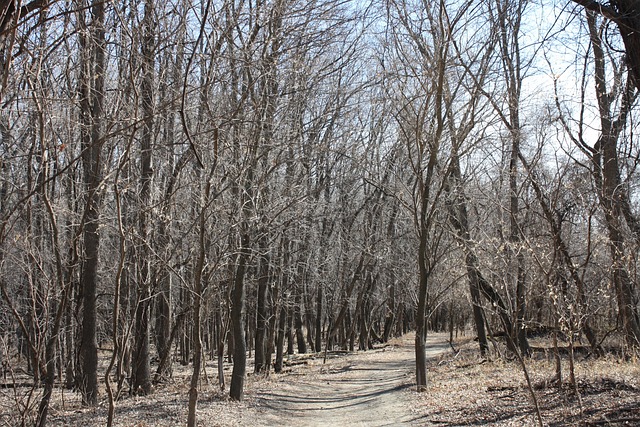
pixel 368 389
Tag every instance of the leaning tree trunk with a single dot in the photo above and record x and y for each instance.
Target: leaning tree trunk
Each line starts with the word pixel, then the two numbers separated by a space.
pixel 459 219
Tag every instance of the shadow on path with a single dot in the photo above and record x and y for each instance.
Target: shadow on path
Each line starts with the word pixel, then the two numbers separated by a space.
pixel 366 388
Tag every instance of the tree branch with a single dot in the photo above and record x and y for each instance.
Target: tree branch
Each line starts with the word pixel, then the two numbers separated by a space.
pixel 605 11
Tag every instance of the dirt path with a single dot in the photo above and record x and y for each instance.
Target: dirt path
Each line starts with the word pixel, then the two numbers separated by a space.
pixel 372 388
pixel 368 388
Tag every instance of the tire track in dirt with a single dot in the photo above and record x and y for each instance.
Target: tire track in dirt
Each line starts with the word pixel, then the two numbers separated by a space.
pixel 368 388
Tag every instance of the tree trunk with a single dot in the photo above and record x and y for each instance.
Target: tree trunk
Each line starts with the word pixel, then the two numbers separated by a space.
pixel 163 330
pixel 318 337
pixel 197 303
pixel 262 313
pixel 629 25
pixel 459 219
pixel 391 312
pixel 421 316
pixel 91 114
pixel 141 368
pixel 613 197
pixel 236 390
pixel 478 312
pixel 421 359
pixel 297 309
pixel 163 318
pixel 282 325
pixel 222 333
pixel 363 338
pixel 290 335
pixel 141 381
pixel 197 360
pixel 88 340
pixel 309 321
pixel 344 304
pixel 165 358
pixel 625 13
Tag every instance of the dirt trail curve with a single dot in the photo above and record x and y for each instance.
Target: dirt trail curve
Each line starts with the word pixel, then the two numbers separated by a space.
pixel 367 389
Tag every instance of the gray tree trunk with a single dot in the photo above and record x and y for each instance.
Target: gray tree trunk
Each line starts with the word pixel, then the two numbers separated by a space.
pixel 92 93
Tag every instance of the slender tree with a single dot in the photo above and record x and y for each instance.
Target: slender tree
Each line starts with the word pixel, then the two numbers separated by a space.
pixel 141 373
pixel 91 99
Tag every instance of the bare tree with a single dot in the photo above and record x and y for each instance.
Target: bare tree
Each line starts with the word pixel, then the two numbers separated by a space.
pixel 615 98
pixel 626 15
pixel 141 373
pixel 421 117
pixel 91 98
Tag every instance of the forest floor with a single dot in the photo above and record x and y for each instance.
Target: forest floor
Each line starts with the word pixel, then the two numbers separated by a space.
pixel 466 390
pixel 376 388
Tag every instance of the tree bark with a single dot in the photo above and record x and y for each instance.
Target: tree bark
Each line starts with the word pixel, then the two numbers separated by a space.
pixel 318 337
pixel 262 312
pixel 92 95
pixel 141 374
pixel 297 315
pixel 236 389
pixel 421 316
pixel 282 324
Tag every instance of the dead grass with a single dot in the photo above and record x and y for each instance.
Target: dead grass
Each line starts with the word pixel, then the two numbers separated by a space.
pixel 466 390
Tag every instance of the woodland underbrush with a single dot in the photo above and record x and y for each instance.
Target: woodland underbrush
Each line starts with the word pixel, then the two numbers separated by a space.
pixel 165 406
pixel 466 389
